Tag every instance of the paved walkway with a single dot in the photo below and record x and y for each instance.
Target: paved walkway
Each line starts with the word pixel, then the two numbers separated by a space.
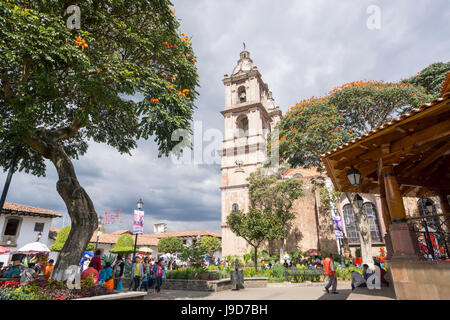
pixel 274 291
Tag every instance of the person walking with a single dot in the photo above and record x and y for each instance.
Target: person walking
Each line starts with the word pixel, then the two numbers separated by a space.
pixel 159 275
pixel 118 271
pixel 145 278
pixel 330 271
pixel 137 271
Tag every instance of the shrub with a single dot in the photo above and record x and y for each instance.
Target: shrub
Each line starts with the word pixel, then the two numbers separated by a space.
pixel 277 273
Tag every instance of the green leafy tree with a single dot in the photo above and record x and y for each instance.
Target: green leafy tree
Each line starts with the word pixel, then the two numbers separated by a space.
pixel 124 244
pixel 172 245
pixel 255 227
pixel 317 125
pixel 274 197
pixel 127 74
pixel 195 253
pixel 211 245
pixel 431 78
pixel 61 239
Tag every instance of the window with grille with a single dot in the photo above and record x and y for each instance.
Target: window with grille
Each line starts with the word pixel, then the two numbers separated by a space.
pixel 39 227
pixel 350 224
pixel 372 219
pixel 423 211
pixel 234 207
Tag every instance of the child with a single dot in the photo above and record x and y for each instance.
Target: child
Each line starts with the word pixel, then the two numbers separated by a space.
pixel 145 279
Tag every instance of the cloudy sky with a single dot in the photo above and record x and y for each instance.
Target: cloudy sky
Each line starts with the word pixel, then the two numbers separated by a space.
pixel 302 49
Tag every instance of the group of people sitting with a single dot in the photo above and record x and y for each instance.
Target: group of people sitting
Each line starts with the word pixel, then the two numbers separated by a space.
pixel 26 271
pixel 359 280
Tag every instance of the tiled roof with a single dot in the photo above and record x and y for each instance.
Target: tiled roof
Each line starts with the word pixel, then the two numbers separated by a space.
pixel 186 234
pixel 22 209
pixel 119 232
pixel 413 112
pixel 150 239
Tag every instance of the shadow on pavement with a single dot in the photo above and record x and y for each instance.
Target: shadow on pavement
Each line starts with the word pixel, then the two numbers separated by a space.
pixel 342 295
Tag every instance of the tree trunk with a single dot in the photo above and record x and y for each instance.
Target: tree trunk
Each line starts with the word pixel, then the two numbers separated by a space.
pixel 256 259
pixel 363 230
pixel 84 220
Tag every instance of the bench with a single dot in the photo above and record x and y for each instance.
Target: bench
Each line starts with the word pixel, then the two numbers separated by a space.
pixel 307 273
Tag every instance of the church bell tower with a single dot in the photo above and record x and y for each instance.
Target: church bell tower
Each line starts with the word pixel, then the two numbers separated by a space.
pixel 250 113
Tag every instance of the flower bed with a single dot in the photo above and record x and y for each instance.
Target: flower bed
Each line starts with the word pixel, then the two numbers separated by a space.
pixel 41 289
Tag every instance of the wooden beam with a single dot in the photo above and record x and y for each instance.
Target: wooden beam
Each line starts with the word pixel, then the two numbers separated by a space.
pixel 434 185
pixel 398 128
pixel 433 156
pixel 438 131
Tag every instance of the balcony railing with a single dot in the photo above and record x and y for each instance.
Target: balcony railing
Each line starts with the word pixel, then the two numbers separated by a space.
pixel 433 236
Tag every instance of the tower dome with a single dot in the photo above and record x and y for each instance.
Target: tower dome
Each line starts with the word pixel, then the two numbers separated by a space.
pixel 244 64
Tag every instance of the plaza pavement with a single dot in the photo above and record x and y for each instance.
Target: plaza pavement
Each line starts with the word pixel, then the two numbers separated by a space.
pixel 278 291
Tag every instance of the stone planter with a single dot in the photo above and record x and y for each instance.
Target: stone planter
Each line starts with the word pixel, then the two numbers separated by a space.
pixel 205 285
pixel 132 295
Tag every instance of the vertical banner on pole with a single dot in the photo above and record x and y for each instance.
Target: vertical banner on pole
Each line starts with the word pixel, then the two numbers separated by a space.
pixel 338 227
pixel 138 222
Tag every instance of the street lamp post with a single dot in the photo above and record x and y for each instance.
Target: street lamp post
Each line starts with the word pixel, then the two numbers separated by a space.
pixel 140 204
pixel 39 236
pixel 99 232
pixel 12 167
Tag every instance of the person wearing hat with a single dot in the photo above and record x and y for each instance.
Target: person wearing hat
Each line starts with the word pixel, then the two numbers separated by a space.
pixel 14 272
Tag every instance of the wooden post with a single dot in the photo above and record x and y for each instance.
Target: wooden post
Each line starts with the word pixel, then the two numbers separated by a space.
pixel 394 199
pixel 403 241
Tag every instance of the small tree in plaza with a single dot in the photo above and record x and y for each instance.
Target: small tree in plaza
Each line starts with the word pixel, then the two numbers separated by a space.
pixel 171 245
pixel 273 197
pixel 255 227
pixel 211 245
pixel 195 253
pixel 317 125
pixel 61 88
pixel 124 244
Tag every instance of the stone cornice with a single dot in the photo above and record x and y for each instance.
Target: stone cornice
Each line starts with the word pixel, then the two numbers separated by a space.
pixel 243 165
pixel 246 106
pixel 245 185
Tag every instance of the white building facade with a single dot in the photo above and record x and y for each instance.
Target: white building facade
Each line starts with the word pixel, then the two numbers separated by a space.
pixel 21 225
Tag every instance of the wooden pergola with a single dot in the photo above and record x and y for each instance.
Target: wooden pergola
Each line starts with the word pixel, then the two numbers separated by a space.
pixel 409 156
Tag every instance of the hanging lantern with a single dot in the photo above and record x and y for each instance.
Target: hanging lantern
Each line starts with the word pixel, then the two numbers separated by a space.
pixel 354 176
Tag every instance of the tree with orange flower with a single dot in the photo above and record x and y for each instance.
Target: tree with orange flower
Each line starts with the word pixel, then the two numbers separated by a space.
pixel 60 88
pixel 317 125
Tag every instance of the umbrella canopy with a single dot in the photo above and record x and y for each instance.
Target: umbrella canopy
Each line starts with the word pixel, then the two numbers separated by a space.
pixel 90 254
pixel 33 247
pixel 145 250
pixel 3 250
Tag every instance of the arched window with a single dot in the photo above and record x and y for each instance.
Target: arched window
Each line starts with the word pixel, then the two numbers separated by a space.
pixel 234 207
pixel 350 224
pixel 242 126
pixel 298 175
pixel 372 219
pixel 423 205
pixel 242 94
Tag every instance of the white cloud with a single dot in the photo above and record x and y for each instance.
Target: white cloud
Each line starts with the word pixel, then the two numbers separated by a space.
pixel 302 48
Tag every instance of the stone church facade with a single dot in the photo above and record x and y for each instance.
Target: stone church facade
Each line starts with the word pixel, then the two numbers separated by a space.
pixel 250 114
